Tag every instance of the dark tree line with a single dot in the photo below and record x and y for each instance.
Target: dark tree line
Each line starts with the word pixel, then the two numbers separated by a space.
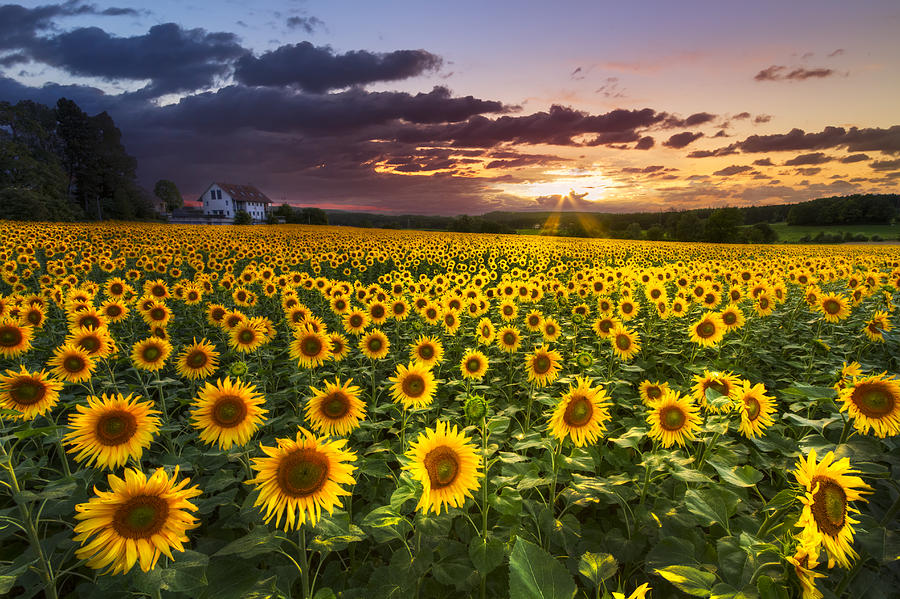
pixel 62 164
pixel 860 209
pixel 300 216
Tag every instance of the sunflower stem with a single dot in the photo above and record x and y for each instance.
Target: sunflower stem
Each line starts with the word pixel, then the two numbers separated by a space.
pixel 528 413
pixel 484 497
pixel 845 432
pixel 706 450
pixel 304 565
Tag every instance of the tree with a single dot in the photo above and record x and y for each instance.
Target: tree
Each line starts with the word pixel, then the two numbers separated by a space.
pixel 313 216
pixel 242 217
pixel 168 192
pixel 688 228
pixel 656 233
pixel 723 225
pixel 634 231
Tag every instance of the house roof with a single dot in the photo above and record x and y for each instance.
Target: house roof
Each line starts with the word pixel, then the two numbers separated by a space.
pixel 244 193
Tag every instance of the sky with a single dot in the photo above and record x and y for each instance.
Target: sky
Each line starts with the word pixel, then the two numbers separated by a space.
pixel 469 107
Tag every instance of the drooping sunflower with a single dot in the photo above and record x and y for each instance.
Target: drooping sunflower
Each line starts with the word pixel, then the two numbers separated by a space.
pixel 724 383
pixel 111 429
pixel 15 338
pixel 375 344
pixel 509 339
pixel 138 520
pixel 150 353
pixel 652 391
pixel 756 408
pixel 339 346
pixel 542 366
pixel 877 326
pixel 673 419
pixel 29 393
pixel 708 331
pixel 301 477
pixel 805 561
pixel 228 413
pixel 828 489
pixel 625 342
pixel 198 360
pixel 473 364
pixel 413 386
pixel 71 364
pixel 874 404
pixel 335 410
pixel 309 349
pixel 427 351
pixel 834 306
pixel 581 413
pixel 448 466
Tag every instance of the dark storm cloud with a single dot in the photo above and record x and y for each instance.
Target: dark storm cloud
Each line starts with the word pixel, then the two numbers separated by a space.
pixel 813 158
pixel 885 165
pixel 680 140
pixel 319 69
pixel 307 24
pixel 853 139
pixel 732 170
pixel 854 158
pixel 782 73
pixel 91 99
pixel 277 110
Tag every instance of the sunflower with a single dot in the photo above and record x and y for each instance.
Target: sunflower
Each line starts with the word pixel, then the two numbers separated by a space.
pixel 309 349
pixel 828 488
pixel 473 364
pixel 138 520
pixel 301 477
pixel 874 404
pixel 628 309
pixel 228 413
pixel 110 430
pixel 756 408
pixel 98 343
pixel 834 306
pixel 446 464
pixel 339 346
pixel 33 316
pixel 485 331
pixel 625 342
pixel 550 329
pixel 157 315
pixel 450 318
pixel 375 345
pixel 355 322
pixel 215 313
pixel 732 317
pixel 708 331
pixel 427 351
pixel 508 310
pixel 543 366
pixel 15 338
pixel 724 383
pixel 336 410
pixel 29 393
pixel 246 337
pixel 805 560
pixel 71 364
pixel 650 392
pixel 198 360
pixel 581 414
pixel 509 339
pixel 89 318
pixel 877 326
pixel 413 386
pixel 604 326
pixel 638 593
pixel 150 353
pixel 114 310
pixel 533 321
pixel 673 418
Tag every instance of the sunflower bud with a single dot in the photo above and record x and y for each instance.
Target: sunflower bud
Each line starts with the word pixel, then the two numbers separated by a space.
pixel 475 408
pixel 585 360
pixel 578 319
pixel 238 369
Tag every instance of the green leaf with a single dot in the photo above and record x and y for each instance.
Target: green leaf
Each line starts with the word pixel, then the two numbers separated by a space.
pixel 535 574
pixel 739 476
pixel 711 506
pixel 597 567
pixel 384 524
pixel 631 438
pixel 508 503
pixel 486 554
pixel 257 541
pixel 690 580
pixel 767 589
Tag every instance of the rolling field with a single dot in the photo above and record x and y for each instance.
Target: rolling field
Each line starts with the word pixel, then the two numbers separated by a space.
pixel 325 412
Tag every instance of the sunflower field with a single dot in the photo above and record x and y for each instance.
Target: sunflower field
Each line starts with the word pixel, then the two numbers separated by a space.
pixel 325 412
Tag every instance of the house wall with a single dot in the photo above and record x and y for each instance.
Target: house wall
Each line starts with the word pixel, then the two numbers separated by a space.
pixel 215 207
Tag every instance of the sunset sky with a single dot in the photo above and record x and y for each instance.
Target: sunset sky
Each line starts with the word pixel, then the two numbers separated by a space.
pixel 468 107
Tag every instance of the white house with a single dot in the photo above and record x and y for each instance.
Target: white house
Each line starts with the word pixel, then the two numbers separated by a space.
pixel 224 200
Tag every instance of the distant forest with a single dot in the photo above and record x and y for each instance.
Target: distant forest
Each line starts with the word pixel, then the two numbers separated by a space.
pixel 61 164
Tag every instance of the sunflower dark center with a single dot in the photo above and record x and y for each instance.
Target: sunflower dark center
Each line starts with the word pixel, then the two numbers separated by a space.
pixel 729 318
pixel 542 364
pixel 90 322
pixel 578 412
pixel 356 320
pixel 151 353
pixel 116 289
pixel 336 405
pixel 442 464
pixel 623 342
pixel 141 517
pixel 753 407
pixel 113 311
pixel 302 473
pixel 534 321
pixel 229 411
pixel 627 308
pixel 413 385
pixel 763 303
pixel 197 359
pixel 115 427
pixel 217 314
pixel 311 347
pixel 672 418
pixel 74 364
pixel 89 344
pixel 377 311
pixel 26 392
pixel 157 313
pixel 375 344
pixel 718 387
pixel 509 338
pixel 831 306
pixel 654 392
pixel 247 336
pixel 706 329
pixel 158 290
pixel 34 317
pixel 709 298
pixel 873 400
pixel 426 351
pixel 605 325
pixel 829 505
pixel 10 336
pixel 551 330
